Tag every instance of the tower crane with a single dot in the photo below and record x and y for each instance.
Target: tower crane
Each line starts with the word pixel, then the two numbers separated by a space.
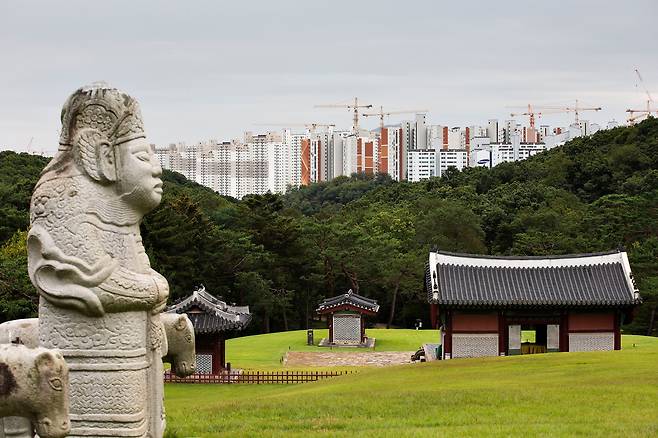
pixel 533 111
pixel 632 117
pixel 382 114
pixel 576 109
pixel 355 108
pixel 311 126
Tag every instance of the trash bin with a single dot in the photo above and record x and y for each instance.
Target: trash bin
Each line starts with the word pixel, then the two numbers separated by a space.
pixel 309 337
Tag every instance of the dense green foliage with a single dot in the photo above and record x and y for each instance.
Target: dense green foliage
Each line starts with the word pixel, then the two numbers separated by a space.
pixel 281 254
pixel 606 394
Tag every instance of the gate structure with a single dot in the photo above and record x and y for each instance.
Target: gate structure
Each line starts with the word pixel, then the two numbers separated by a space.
pixel 491 306
pixel 346 319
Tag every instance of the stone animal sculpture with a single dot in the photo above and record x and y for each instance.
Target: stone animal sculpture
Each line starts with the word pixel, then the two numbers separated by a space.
pixel 100 300
pixel 21 331
pixel 180 343
pixel 34 383
pixel 25 332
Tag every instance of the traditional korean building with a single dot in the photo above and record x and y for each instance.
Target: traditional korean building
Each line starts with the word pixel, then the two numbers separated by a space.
pixel 485 305
pixel 346 318
pixel 214 321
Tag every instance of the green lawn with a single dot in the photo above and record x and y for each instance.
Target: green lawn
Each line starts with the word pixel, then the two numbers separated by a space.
pixel 559 394
pixel 265 351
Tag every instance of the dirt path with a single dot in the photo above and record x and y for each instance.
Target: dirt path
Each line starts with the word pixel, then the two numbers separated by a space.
pixel 344 358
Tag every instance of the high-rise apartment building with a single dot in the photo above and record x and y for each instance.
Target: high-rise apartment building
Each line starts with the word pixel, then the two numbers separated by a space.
pixel 421 164
pixel 411 150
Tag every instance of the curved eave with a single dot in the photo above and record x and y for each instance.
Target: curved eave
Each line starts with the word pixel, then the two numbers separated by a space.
pixel 347 306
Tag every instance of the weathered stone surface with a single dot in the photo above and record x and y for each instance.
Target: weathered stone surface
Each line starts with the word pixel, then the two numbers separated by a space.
pixel 34 384
pixel 26 332
pixel 100 300
pixel 180 343
pixel 22 331
pixel 180 353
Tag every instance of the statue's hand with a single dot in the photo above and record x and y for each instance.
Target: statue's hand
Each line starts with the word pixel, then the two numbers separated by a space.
pixel 129 290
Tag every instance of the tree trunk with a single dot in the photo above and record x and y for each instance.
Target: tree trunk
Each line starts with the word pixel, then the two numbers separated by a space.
pixel 393 302
pixel 329 276
pixel 652 321
pixel 352 277
pixel 266 323
pixel 306 314
pixel 285 319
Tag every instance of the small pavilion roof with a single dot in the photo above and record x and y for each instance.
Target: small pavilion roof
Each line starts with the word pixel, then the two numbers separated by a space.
pixel 349 299
pixel 210 314
pixel 592 280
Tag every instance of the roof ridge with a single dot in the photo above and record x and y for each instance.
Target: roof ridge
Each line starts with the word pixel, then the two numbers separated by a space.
pixel 612 262
pixel 537 257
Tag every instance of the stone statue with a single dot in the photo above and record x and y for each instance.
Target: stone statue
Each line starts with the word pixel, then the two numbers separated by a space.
pixel 180 343
pixel 34 384
pixel 100 300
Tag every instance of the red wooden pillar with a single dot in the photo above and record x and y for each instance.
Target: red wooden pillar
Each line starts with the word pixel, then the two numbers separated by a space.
pixel 564 331
pixel 617 331
pixel 218 355
pixel 363 329
pixel 447 348
pixel 502 334
pixel 434 315
pixel 222 347
pixel 330 323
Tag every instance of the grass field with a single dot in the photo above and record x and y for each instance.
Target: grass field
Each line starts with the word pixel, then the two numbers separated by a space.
pixel 265 351
pixel 560 394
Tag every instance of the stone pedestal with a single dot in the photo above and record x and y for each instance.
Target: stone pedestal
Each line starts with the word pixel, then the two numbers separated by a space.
pixel 110 359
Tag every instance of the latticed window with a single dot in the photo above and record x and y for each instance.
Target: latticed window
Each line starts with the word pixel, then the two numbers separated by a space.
pixel 204 363
pixel 347 328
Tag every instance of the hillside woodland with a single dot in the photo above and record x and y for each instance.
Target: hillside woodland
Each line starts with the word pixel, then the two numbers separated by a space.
pixel 281 254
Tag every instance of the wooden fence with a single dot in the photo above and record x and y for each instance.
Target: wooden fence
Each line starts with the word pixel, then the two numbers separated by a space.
pixel 256 377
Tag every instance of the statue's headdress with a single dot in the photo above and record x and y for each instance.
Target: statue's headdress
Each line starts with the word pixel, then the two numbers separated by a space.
pixel 113 113
pixel 94 115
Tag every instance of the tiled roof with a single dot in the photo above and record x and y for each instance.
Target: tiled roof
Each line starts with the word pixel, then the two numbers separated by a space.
pixel 350 298
pixel 216 315
pixel 463 280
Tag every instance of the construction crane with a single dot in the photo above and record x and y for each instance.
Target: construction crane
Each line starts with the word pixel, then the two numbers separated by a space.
pixel 632 117
pixel 533 111
pixel 381 115
pixel 355 108
pixel 576 109
pixel 29 145
pixel 311 126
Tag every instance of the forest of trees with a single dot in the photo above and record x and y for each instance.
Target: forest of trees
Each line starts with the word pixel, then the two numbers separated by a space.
pixel 281 254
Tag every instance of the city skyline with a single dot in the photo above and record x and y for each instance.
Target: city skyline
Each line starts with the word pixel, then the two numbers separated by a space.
pixel 219 70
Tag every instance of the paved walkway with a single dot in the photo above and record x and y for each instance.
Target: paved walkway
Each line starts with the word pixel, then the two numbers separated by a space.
pixel 346 358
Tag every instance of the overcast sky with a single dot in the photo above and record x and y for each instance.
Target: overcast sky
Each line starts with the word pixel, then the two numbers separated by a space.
pixel 211 69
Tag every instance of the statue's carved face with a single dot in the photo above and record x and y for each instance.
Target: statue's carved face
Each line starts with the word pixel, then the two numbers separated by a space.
pixel 138 175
